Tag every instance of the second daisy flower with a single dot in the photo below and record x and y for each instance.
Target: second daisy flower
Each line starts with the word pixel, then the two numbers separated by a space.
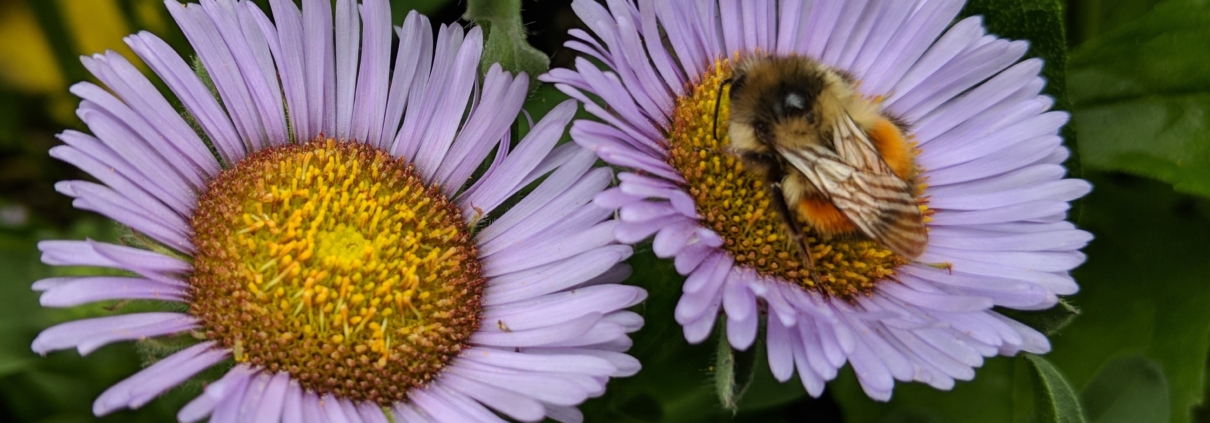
pixel 983 160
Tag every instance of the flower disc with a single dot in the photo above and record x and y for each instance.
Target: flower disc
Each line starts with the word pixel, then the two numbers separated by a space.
pixel 333 261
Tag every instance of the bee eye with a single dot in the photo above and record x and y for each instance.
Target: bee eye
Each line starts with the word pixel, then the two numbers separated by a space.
pixel 794 102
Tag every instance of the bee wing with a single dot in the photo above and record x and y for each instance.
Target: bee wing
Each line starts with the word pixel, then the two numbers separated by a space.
pixel 861 185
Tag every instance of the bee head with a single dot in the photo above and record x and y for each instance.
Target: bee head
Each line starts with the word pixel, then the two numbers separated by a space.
pixel 777 92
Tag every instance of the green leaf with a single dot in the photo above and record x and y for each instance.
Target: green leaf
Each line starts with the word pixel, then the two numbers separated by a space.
pixel 1048 321
pixel 1142 96
pixel 911 415
pixel 1127 390
pixel 733 370
pixel 1054 400
pixel 506 43
pixel 1091 18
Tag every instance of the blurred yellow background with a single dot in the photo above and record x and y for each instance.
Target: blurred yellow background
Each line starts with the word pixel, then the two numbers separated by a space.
pixel 40 41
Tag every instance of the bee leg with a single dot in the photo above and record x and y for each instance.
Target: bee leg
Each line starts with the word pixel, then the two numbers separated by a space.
pixel 783 209
pixel 945 265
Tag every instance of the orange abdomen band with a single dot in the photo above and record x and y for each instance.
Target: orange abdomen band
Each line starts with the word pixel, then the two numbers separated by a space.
pixel 824 217
pixel 893 147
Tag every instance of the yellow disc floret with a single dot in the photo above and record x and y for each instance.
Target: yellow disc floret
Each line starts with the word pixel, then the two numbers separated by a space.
pixel 334 262
pixel 736 204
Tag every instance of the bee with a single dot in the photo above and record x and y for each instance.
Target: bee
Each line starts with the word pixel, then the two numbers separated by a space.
pixel 828 155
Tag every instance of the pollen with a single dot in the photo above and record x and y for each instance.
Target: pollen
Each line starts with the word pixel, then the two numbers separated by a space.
pixel 737 205
pixel 334 262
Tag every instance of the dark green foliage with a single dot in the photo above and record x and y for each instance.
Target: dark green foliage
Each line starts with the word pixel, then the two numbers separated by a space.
pixel 1142 91
pixel 1128 389
pixel 1054 400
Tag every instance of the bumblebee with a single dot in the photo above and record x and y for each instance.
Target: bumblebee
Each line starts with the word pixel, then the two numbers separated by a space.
pixel 830 157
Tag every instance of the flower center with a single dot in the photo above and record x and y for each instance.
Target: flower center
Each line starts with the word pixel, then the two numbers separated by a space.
pixel 737 205
pixel 332 261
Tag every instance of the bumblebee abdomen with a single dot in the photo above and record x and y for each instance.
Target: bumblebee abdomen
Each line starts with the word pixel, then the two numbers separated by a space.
pixel 893 146
pixel 823 216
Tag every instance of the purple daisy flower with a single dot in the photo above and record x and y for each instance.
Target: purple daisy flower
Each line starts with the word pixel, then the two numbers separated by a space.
pixel 988 177
pixel 318 229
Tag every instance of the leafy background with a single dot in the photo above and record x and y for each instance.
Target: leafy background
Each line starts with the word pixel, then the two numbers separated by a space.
pixel 1135 75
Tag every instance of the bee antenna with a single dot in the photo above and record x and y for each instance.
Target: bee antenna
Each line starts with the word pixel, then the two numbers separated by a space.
pixel 718 101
